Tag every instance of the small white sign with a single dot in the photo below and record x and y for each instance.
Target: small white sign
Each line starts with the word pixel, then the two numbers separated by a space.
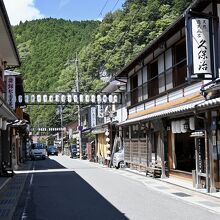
pixel 201 46
pixel 11 98
pixel 93 117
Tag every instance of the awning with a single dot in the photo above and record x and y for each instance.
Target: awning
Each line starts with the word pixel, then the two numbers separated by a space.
pixel 99 129
pixel 163 113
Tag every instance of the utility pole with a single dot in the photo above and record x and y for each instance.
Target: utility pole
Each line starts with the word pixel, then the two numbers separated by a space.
pixel 79 113
pixel 61 124
pixel 77 81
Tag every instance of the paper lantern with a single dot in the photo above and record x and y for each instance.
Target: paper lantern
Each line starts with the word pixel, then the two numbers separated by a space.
pixel 45 98
pixel 38 98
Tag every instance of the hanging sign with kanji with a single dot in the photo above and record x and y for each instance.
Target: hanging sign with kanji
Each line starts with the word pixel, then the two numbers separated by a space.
pixel 201 46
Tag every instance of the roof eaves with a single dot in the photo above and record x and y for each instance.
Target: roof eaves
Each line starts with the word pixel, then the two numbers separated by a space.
pixel 8 25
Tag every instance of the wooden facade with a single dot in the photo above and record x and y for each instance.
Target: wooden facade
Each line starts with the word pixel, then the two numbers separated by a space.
pixel 166 121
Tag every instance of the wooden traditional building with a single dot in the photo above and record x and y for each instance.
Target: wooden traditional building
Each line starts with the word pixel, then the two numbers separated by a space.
pixel 8 58
pixel 168 122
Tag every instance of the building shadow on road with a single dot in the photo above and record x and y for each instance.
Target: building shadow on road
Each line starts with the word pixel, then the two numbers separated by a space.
pixel 49 163
pixel 64 195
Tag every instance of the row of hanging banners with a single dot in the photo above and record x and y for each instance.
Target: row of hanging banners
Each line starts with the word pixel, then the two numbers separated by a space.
pixel 68 98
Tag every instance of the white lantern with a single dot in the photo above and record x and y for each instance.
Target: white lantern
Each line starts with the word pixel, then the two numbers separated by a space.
pixel 57 98
pixel 20 98
pixel 93 98
pixel 108 152
pixel 69 98
pixel 26 98
pixel 99 99
pixel 104 98
pixel 110 98
pixel 192 123
pixel 51 98
pixel 107 133
pixel 75 98
pixel 81 98
pixel 63 98
pixel 107 139
pixel 32 98
pixel 38 98
pixel 182 126
pixel 108 146
pixel 115 98
pixel 87 98
pixel 45 98
pixel 108 158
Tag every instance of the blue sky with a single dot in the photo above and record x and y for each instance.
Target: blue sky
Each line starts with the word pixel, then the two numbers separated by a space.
pixel 22 10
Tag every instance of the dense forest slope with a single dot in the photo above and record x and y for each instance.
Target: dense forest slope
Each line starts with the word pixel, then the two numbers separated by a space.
pixel 46 45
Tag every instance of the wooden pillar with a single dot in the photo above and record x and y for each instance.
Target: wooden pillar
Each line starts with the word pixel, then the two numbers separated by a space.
pixel 162 145
pixel 170 152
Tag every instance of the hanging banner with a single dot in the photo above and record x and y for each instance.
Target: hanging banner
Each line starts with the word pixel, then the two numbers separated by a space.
pixel 10 91
pixel 200 58
pixel 201 46
pixel 93 117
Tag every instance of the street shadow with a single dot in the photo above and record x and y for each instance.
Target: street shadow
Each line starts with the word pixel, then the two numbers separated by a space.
pixel 65 195
pixel 47 164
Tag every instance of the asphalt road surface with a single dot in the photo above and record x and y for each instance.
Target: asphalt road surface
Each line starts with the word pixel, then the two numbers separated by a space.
pixel 61 188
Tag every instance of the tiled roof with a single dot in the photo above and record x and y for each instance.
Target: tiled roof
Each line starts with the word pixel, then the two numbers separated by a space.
pixel 163 113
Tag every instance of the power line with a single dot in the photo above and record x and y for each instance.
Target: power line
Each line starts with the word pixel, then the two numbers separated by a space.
pixel 103 8
pixel 115 6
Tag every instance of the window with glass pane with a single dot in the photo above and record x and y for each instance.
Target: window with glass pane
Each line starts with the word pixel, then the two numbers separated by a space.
pixel 179 71
pixel 134 89
pixel 126 132
pixel 134 131
pixel 145 92
pixel 161 83
pixel 153 79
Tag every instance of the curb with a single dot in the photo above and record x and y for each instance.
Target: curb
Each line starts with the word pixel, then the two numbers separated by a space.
pixel 159 179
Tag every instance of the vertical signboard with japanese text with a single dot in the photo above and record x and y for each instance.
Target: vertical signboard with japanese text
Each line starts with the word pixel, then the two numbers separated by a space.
pixel 200 48
pixel 93 117
pixel 10 91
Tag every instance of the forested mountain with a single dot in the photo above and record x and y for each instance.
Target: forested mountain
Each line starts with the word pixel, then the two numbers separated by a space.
pixel 45 46
pixel 103 47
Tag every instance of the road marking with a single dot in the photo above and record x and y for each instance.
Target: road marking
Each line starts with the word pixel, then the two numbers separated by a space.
pixel 44 171
pixel 28 198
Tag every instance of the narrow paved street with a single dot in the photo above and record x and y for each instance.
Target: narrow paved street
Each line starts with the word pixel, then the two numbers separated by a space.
pixel 65 188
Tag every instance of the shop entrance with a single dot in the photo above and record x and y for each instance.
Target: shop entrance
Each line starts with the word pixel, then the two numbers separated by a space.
pixel 185 152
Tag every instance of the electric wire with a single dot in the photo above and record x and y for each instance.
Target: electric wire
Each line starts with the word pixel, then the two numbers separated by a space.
pixel 115 6
pixel 103 8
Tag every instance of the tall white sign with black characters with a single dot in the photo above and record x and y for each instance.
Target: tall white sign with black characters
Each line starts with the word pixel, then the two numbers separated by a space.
pixel 10 91
pixel 201 46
